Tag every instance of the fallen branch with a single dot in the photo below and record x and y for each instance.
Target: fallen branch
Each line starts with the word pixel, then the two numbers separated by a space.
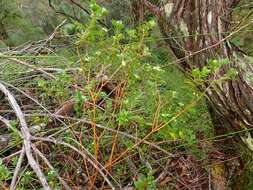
pixel 17 169
pixel 26 137
pixel 42 70
pixel 32 67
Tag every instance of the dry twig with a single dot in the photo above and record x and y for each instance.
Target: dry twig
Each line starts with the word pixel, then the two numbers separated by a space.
pixel 17 169
pixel 26 137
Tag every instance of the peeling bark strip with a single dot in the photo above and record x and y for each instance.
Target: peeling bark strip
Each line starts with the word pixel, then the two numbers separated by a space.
pixel 197 32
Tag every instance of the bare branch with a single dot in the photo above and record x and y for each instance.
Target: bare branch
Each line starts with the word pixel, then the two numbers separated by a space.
pixel 73 17
pixel 7 158
pixel 26 135
pixel 80 6
pixel 17 169
pixel 63 13
pixel 32 67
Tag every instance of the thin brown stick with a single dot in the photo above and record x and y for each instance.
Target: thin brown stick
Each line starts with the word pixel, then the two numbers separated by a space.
pixel 8 158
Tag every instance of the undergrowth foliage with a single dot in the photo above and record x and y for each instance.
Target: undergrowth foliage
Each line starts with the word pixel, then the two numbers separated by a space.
pixel 120 103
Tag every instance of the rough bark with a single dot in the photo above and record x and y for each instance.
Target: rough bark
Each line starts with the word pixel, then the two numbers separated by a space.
pixel 198 31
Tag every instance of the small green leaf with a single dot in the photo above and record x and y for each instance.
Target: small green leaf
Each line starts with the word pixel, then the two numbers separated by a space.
pixel 232 73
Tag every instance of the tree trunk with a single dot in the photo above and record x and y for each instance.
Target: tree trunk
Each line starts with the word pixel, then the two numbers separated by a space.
pixel 197 32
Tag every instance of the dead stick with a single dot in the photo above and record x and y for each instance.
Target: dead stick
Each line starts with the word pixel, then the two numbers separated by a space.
pixel 26 137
